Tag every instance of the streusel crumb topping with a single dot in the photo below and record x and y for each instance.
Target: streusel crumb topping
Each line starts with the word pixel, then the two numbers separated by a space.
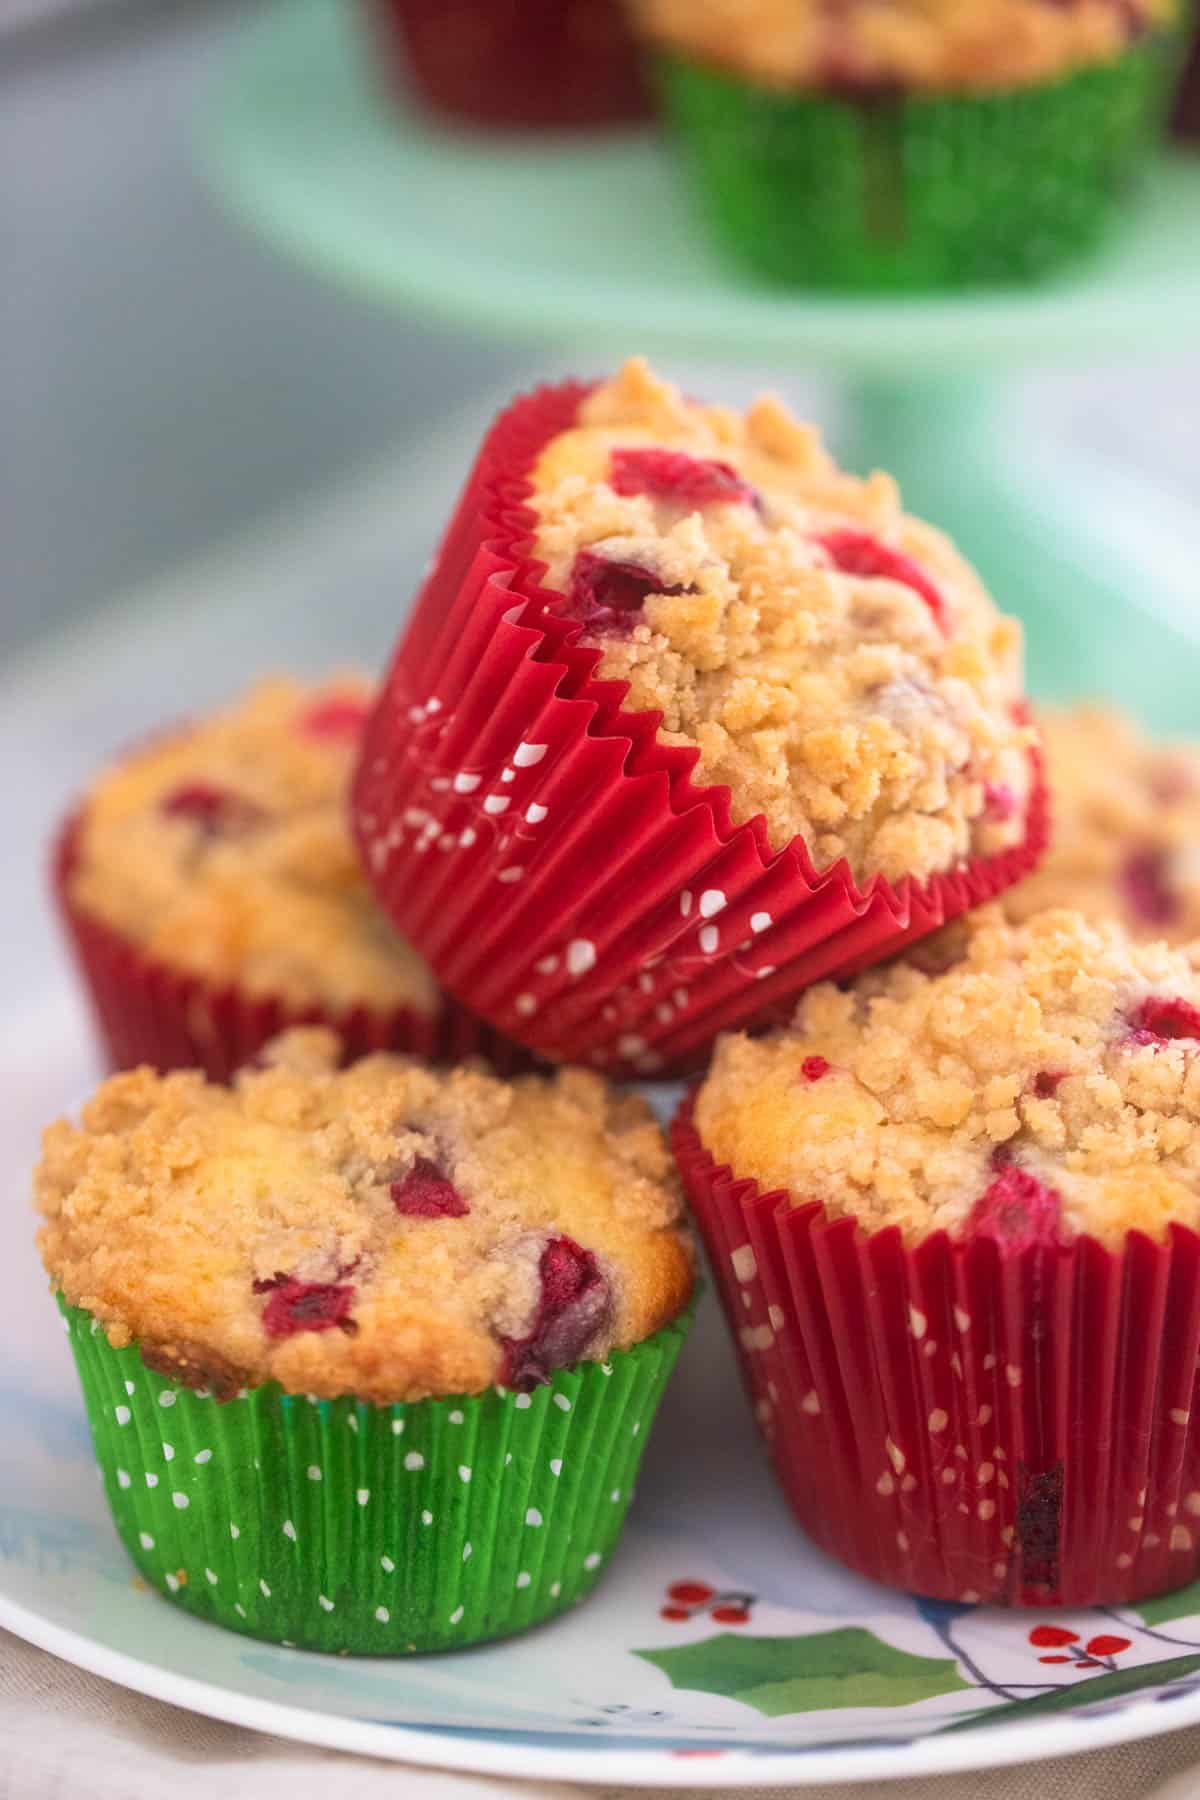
pixel 386 1230
pixel 225 850
pixel 1027 1081
pixel 971 45
pixel 1126 839
pixel 834 662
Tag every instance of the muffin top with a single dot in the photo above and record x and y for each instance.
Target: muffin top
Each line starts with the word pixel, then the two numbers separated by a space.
pixel 835 663
pixel 225 850
pixel 384 1231
pixel 1126 839
pixel 865 44
pixel 1028 1081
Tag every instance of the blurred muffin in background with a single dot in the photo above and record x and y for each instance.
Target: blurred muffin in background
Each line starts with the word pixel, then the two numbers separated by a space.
pixel 1126 837
pixel 910 143
pixel 513 65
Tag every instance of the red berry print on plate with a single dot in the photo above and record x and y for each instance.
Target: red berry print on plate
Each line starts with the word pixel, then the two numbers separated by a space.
pixel 337 718
pixel 1160 1019
pixel 427 1192
pixel 673 475
pixel 216 810
pixel 1052 1637
pixel 690 1593
pixel 1017 1210
pixel 860 553
pixel 305 1306
pixel 1107 1646
pixel 692 1599
pixel 574 1306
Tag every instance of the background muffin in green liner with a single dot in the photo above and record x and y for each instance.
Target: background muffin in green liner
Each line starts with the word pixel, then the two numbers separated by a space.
pixel 915 191
pixel 336 1525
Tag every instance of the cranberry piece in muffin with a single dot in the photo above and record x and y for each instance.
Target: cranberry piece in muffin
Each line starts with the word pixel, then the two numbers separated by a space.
pixel 1126 839
pixel 286 1228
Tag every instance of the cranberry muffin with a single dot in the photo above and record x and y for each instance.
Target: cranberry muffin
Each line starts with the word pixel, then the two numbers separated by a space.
pixel 988 1159
pixel 1126 837
pixel 686 718
pixel 210 886
pixel 369 1294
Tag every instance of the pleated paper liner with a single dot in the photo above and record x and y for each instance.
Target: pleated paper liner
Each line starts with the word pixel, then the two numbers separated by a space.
pixel 886 190
pixel 512 65
pixel 551 858
pixel 342 1526
pixel 962 1422
pixel 147 1012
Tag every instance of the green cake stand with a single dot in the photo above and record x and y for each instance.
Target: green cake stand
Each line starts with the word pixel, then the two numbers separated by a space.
pixel 593 240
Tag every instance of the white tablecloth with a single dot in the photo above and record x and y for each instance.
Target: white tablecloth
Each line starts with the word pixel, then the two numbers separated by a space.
pixel 65 1735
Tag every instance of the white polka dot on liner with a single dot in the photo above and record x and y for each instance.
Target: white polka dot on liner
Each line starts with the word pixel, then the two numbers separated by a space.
pixel 314 1473
pixel 172 1582
pixel 466 1553
pixel 457 1614
pixel 464 1473
pixel 122 1415
pixel 561 1401
pixel 362 1496
pixel 123 1478
pixel 592 1560
pixel 556 1465
pixel 533 1517
pixel 264 1590
pixel 524 1578
pixel 167 1398
pixel 202 1456
pixel 387 1565
pixel 325 1604
pixel 289 1530
pixel 414 1460
pixel 151 1479
pixel 522 1401
pixel 382 1614
pixel 180 1502
pixel 145 1540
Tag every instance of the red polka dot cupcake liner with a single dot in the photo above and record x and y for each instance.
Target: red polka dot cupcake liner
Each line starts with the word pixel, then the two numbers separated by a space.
pixel 148 1012
pixel 512 65
pixel 553 860
pixel 1018 1427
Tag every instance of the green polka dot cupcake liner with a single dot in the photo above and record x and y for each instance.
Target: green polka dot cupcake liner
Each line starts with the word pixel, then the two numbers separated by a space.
pixel 341 1526
pixel 883 190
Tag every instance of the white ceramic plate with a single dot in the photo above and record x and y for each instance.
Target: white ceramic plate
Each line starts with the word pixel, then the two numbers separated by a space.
pixel 825 1677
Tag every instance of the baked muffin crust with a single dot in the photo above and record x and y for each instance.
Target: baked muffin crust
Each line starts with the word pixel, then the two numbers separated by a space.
pixel 834 662
pixel 1028 1081
pixel 1126 839
pixel 386 1230
pixel 224 850
pixel 971 45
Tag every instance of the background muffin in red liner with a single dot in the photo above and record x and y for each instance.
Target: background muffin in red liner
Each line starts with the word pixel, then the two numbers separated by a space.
pixel 147 1012
pixel 553 860
pixel 513 65
pixel 959 1420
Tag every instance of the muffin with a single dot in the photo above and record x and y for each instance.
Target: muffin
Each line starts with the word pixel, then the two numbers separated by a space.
pixel 909 143
pixel 370 1357
pixel 210 888
pixel 953 1213
pixel 685 719
pixel 512 65
pixel 1126 839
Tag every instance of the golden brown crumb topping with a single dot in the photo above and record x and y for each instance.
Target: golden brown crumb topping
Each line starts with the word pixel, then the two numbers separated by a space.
pixel 835 663
pixel 1126 839
pixel 386 1230
pixel 1022 1080
pixel 973 44
pixel 225 850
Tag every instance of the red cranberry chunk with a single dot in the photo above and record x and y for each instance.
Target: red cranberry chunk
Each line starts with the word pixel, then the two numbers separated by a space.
pixel 341 717
pixel 427 1192
pixel 675 476
pixel 606 596
pixel 999 802
pixel 1017 1210
pixel 1161 1020
pixel 217 811
pixel 574 1306
pixel 814 1067
pixel 1046 1082
pixel 1144 883
pixel 859 553
pixel 305 1306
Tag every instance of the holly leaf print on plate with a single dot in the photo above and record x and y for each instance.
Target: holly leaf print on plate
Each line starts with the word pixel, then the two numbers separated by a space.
pixel 1070 1695
pixel 1184 1603
pixel 781 1675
